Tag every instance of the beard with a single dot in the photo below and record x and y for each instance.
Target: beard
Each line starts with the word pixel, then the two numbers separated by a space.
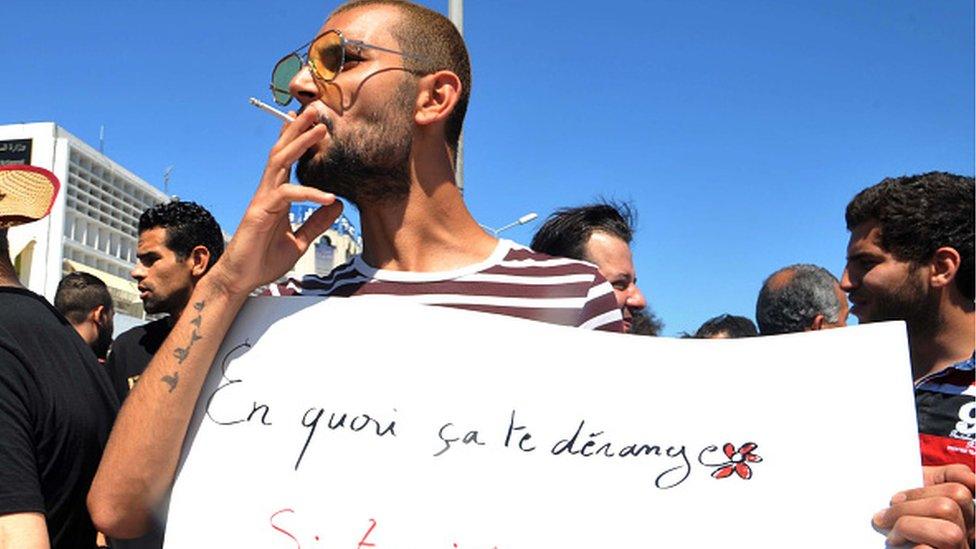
pixel 368 163
pixel 102 342
pixel 909 302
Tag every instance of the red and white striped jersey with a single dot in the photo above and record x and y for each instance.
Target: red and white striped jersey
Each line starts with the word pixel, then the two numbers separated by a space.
pixel 946 405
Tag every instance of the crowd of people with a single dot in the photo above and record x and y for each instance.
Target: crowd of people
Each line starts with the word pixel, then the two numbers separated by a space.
pixel 379 125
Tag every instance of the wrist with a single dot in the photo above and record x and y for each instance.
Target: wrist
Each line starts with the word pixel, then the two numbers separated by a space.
pixel 223 286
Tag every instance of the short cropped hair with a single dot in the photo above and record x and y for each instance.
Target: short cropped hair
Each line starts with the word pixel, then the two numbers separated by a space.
pixel 437 45
pixel 919 214
pixel 734 326
pixel 78 294
pixel 566 232
pixel 187 225
pixel 791 307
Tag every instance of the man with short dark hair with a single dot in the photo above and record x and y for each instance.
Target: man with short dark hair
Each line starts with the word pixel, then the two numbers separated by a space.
pixel 56 404
pixel 726 326
pixel 178 243
pixel 800 298
pixel 84 300
pixel 383 95
pixel 910 258
pixel 601 234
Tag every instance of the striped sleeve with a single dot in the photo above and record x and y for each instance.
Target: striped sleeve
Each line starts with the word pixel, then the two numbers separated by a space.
pixel 601 311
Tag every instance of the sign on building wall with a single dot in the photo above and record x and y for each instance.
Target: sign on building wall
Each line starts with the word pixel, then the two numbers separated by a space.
pixel 371 423
pixel 15 151
pixel 324 256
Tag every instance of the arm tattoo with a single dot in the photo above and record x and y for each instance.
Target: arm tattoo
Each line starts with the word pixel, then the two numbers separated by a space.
pixel 182 352
pixel 172 380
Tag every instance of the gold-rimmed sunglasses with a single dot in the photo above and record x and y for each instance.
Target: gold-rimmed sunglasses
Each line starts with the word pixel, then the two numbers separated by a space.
pixel 325 57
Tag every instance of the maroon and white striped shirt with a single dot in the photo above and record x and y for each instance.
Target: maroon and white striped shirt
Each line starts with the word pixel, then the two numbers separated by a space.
pixel 512 281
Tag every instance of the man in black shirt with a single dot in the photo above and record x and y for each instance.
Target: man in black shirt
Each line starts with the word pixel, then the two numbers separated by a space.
pixel 178 243
pixel 84 300
pixel 56 404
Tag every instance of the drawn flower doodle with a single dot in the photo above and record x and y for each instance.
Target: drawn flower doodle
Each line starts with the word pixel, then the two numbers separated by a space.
pixel 738 462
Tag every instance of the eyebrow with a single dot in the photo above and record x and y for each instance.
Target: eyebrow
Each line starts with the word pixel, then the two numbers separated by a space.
pixel 861 255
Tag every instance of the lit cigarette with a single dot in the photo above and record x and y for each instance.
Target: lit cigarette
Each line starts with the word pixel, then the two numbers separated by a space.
pixel 270 110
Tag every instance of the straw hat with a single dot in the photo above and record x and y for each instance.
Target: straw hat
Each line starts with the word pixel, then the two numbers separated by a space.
pixel 26 194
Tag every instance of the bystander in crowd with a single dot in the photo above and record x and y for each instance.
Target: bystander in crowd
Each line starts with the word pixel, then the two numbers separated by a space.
pixel 84 300
pixel 178 243
pixel 56 403
pixel 601 234
pixel 800 298
pixel 726 326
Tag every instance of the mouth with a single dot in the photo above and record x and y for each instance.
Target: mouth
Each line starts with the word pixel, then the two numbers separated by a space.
pixel 143 292
pixel 323 118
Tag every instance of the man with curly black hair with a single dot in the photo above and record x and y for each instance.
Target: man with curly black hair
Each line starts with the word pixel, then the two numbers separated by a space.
pixel 178 243
pixel 910 258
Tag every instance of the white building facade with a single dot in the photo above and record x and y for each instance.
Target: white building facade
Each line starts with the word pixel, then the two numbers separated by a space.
pixel 93 225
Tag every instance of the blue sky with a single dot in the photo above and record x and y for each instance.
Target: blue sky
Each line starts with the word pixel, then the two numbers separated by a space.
pixel 739 130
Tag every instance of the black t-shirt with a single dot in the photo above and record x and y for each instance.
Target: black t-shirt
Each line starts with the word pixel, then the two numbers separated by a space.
pixel 56 410
pixel 131 353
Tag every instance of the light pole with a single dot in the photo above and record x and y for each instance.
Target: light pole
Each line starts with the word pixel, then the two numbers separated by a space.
pixel 455 12
pixel 520 221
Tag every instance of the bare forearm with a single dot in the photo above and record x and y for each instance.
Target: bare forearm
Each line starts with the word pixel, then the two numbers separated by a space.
pixel 140 460
pixel 143 450
pixel 23 531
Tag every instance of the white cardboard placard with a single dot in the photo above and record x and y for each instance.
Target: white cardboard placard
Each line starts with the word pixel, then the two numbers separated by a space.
pixel 348 423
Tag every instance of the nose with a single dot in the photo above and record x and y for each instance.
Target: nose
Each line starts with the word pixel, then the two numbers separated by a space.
pixel 846 283
pixel 636 299
pixel 303 87
pixel 138 272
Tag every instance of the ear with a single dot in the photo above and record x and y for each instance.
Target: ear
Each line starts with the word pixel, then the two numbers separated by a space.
pixel 944 266
pixel 817 324
pixel 437 96
pixel 199 260
pixel 98 315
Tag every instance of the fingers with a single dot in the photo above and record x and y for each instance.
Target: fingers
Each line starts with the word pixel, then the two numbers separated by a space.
pixel 301 193
pixel 927 532
pixel 935 507
pixel 278 201
pixel 956 472
pixel 296 138
pixel 936 520
pixel 286 153
pixel 292 130
pixel 317 223
pixel 961 496
pixel 285 125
